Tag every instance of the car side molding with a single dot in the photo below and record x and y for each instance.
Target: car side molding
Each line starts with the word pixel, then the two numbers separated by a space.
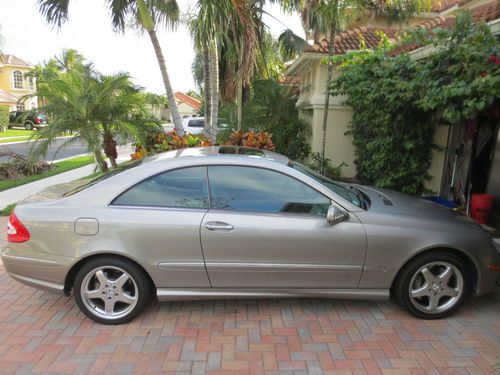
pixel 184 294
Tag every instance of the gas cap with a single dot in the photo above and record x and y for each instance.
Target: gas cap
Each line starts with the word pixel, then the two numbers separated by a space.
pixel 86 226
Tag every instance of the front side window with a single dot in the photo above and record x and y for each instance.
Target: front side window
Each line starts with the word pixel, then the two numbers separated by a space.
pixel 262 190
pixel 184 188
pixel 17 78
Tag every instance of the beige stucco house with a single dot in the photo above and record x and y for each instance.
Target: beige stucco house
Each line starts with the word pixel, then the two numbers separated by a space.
pixel 15 87
pixel 309 67
pixel 187 105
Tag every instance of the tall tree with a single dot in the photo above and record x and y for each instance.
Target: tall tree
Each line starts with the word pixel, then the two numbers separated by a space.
pixel 146 14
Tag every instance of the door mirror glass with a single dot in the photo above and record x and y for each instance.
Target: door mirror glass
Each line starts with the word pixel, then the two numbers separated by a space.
pixel 335 215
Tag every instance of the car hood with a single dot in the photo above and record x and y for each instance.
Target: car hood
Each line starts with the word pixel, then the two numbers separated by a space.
pixel 392 202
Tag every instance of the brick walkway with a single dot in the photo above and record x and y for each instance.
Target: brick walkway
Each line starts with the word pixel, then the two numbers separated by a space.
pixel 44 333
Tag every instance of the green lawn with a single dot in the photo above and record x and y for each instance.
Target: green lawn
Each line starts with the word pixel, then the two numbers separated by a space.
pixel 61 167
pixel 8 210
pixel 16 133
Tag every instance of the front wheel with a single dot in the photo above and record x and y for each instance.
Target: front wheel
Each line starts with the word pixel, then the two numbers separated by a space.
pixel 111 290
pixel 433 286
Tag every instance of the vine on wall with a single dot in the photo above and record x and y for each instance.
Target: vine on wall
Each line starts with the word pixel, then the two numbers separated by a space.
pixel 399 101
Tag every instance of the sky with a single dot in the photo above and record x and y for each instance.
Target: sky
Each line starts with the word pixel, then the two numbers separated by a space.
pixel 26 35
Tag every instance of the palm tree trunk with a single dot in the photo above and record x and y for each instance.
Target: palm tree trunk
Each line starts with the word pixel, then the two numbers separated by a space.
pixel 206 86
pixel 239 101
pixel 214 90
pixel 327 99
pixel 176 117
pixel 103 166
pixel 110 148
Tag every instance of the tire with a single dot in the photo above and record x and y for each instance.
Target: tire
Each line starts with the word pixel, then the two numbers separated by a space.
pixel 28 125
pixel 111 290
pixel 433 285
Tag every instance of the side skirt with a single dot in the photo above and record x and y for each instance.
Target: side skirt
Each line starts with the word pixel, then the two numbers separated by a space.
pixel 185 294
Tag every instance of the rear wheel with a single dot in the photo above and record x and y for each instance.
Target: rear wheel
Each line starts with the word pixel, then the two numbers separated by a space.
pixel 28 125
pixel 433 286
pixel 111 290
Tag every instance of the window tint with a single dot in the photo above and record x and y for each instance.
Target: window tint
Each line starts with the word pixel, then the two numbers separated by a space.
pixel 185 188
pixel 196 123
pixel 256 189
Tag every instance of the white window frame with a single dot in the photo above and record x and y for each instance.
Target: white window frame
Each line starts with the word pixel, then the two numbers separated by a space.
pixel 16 81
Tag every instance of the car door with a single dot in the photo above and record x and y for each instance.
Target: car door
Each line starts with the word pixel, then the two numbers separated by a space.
pixel 158 221
pixel 266 229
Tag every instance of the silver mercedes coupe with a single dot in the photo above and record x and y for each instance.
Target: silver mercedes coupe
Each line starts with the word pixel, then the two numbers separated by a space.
pixel 226 222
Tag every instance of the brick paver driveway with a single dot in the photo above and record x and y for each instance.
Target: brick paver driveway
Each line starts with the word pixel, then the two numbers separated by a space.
pixel 45 333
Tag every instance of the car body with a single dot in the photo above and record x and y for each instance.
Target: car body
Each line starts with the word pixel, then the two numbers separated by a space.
pixel 221 222
pixel 30 120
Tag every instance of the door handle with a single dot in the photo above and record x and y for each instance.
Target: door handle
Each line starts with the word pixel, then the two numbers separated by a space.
pixel 218 225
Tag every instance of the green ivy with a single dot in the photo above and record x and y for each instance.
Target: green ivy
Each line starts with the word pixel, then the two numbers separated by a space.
pixel 398 101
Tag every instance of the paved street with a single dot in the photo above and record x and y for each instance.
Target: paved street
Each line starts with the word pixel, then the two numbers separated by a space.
pixel 22 148
pixel 45 333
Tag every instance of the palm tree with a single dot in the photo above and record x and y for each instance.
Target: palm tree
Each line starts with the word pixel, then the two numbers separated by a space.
pixel 99 109
pixel 146 14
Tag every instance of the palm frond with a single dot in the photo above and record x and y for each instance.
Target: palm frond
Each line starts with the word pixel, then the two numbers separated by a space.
pixel 55 12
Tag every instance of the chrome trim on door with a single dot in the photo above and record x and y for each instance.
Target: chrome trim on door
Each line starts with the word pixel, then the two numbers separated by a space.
pixel 277 267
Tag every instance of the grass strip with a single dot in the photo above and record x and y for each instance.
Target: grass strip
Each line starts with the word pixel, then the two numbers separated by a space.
pixel 60 167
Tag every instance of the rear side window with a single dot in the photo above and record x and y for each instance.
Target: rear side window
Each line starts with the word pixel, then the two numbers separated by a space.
pixel 262 190
pixel 184 188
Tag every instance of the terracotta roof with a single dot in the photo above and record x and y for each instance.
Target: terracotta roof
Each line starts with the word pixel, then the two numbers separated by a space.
pixel 350 40
pixel 189 100
pixel 5 97
pixel 14 60
pixel 484 13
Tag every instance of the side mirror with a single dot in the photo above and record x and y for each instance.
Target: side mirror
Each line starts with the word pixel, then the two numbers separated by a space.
pixel 336 215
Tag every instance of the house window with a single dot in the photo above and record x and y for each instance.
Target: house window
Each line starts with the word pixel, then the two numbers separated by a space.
pixel 31 83
pixel 21 107
pixel 18 79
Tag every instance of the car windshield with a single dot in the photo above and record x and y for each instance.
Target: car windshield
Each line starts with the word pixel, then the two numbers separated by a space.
pixel 336 187
pixel 86 183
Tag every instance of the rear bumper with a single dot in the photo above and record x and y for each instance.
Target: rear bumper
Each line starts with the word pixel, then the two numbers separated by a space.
pixel 42 274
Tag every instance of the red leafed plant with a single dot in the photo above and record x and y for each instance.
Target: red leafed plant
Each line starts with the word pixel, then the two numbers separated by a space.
pixel 260 140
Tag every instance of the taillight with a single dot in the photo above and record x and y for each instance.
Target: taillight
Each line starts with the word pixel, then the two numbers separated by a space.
pixel 37 120
pixel 16 231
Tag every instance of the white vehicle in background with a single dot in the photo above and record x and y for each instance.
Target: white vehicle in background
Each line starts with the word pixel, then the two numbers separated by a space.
pixel 193 125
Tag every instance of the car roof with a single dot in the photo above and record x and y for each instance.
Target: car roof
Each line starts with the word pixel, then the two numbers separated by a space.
pixel 219 152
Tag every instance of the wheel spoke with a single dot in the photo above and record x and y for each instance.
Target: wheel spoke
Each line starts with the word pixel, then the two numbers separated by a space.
pixel 420 292
pixel 428 275
pixel 433 302
pixel 121 280
pixel 94 294
pixel 449 291
pixel 126 298
pixel 101 277
pixel 445 276
pixel 109 306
